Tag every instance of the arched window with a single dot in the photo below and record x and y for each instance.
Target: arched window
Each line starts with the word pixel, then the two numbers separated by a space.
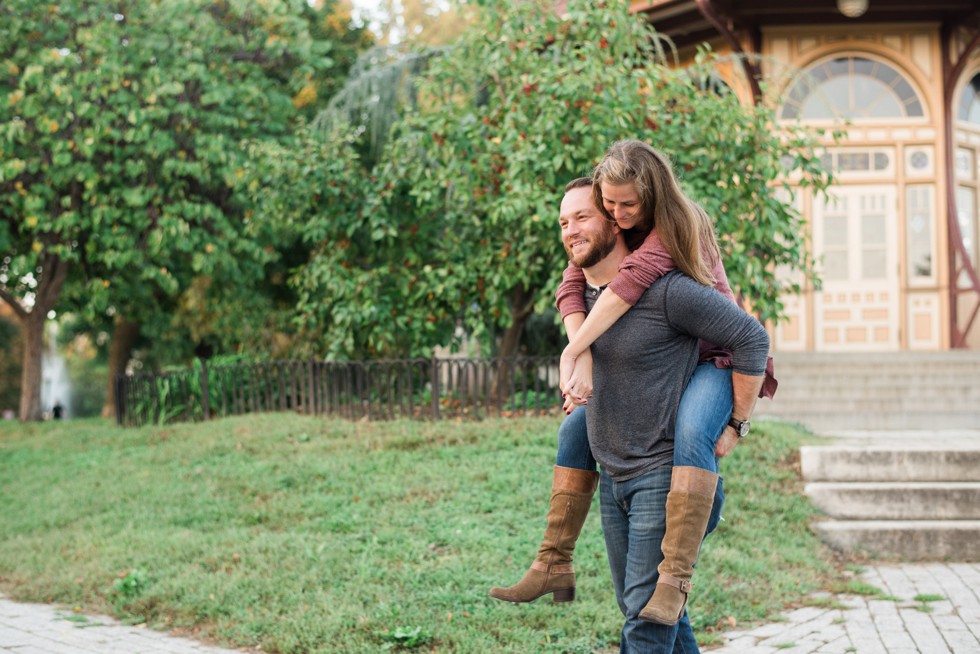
pixel 851 87
pixel 969 110
pixel 966 167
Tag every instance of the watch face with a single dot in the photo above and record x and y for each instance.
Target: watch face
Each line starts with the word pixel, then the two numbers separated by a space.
pixel 741 427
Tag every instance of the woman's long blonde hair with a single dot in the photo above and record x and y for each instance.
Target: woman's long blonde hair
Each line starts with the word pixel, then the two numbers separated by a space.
pixel 683 226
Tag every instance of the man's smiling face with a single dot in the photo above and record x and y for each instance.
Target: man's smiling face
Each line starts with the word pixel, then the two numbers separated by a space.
pixel 586 234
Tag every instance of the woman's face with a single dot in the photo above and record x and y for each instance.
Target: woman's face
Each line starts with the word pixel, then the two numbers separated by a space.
pixel 622 203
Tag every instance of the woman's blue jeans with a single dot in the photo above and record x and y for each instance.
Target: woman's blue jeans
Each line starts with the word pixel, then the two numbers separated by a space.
pixel 704 410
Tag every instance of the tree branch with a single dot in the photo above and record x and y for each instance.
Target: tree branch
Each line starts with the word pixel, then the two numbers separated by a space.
pixel 14 304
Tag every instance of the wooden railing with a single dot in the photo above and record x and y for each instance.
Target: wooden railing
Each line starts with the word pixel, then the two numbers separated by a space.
pixel 376 390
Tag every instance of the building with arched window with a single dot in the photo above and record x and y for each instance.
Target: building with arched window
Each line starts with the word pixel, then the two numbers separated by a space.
pixel 898 239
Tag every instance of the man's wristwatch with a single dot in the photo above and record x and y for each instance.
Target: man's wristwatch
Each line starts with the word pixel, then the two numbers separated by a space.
pixel 741 427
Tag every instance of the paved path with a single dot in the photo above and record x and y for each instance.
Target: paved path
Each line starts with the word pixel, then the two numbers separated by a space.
pixel 929 608
pixel 44 629
pixel 896 623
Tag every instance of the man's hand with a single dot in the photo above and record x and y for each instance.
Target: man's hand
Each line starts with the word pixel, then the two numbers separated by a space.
pixel 727 442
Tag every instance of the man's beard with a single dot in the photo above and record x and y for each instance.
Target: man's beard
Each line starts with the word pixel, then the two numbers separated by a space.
pixel 600 245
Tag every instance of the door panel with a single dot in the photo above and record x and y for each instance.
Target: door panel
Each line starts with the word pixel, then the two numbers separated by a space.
pixel 856 308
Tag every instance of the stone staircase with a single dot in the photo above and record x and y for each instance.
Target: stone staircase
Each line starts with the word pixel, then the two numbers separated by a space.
pixel 879 391
pixel 910 495
pixel 899 473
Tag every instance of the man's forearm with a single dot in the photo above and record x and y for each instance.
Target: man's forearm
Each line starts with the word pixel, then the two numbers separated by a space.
pixel 745 392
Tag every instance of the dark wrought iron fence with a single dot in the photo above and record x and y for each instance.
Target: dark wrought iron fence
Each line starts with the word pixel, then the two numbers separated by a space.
pixel 376 390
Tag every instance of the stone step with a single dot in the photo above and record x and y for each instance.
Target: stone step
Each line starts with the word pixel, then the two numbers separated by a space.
pixel 908 540
pixel 926 461
pixel 864 403
pixel 947 358
pixel 901 369
pixel 958 500
pixel 828 419
pixel 938 388
pixel 887 390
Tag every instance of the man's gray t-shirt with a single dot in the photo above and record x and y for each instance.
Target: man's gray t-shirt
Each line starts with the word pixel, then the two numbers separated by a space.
pixel 642 364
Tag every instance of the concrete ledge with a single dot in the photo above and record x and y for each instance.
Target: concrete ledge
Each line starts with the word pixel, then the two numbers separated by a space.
pixel 897 501
pixel 829 419
pixel 842 464
pixel 909 540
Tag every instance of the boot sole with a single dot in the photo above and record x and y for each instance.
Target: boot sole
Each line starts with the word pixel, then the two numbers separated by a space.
pixel 559 595
pixel 656 620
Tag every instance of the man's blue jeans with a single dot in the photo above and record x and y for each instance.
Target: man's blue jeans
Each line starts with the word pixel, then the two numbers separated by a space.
pixel 634 519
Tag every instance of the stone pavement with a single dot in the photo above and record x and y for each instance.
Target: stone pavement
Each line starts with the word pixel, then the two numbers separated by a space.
pixel 929 608
pixel 44 629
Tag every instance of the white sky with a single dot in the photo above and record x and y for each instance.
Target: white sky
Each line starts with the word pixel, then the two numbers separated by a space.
pixel 371 10
pixel 367 10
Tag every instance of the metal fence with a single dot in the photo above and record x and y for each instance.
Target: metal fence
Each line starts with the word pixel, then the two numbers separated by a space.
pixel 376 390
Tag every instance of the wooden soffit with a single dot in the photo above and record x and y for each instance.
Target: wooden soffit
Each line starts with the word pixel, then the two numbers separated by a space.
pixel 685 23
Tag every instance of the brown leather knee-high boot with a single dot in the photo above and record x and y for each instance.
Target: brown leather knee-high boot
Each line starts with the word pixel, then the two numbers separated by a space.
pixel 692 492
pixel 551 572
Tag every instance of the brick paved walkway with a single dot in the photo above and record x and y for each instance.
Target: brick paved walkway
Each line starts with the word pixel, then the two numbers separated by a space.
pixel 949 623
pixel 44 629
pixel 930 608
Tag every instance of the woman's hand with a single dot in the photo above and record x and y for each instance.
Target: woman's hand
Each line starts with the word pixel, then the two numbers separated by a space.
pixel 575 377
pixel 726 442
pixel 566 366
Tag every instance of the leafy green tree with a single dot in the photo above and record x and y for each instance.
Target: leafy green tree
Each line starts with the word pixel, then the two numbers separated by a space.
pixel 120 127
pixel 449 216
pixel 527 100
pixel 372 285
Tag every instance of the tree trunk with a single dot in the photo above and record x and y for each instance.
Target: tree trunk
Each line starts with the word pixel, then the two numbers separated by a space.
pixel 521 305
pixel 32 332
pixel 51 279
pixel 124 335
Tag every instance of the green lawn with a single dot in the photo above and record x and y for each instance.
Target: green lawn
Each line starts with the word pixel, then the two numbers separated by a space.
pixel 309 535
